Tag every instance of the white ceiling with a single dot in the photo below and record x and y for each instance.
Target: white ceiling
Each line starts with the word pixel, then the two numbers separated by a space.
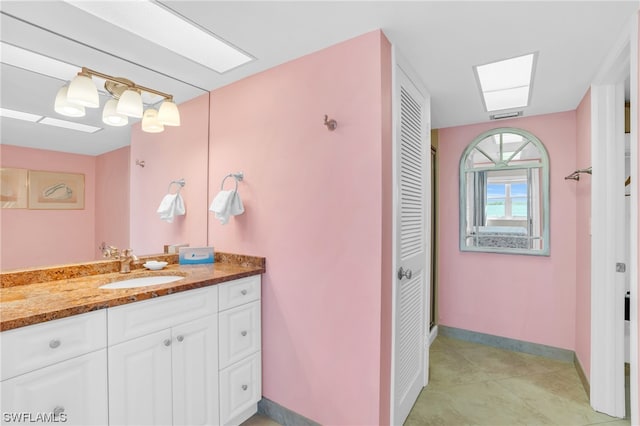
pixel 443 40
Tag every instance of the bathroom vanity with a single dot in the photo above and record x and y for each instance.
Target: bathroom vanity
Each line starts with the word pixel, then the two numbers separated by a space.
pixel 186 352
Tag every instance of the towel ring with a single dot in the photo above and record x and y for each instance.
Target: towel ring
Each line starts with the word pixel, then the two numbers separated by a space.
pixel 180 184
pixel 237 176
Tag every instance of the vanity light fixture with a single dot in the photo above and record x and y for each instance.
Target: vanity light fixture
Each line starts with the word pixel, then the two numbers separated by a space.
pixel 126 101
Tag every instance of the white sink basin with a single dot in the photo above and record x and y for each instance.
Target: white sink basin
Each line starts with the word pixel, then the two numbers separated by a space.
pixel 142 281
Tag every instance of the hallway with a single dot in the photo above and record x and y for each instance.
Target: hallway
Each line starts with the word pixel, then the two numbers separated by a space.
pixel 482 385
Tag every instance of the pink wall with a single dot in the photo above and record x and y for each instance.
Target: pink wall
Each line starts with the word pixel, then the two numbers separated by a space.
pixel 112 198
pixel 48 237
pixel 178 152
pixel 583 236
pixel 530 298
pixel 313 201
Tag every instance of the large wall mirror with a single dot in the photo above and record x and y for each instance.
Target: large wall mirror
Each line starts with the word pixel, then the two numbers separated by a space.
pixel 504 194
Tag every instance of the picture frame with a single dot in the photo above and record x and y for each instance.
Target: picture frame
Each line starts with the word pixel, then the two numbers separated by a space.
pixel 13 188
pixel 56 190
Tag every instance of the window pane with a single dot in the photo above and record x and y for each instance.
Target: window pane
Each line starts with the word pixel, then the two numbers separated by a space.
pixel 496 207
pixel 519 207
pixel 496 190
pixel 518 189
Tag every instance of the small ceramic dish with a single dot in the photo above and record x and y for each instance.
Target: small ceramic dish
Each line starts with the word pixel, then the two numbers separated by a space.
pixel 154 265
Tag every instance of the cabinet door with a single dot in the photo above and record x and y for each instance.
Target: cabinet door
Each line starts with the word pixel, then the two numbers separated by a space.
pixel 195 372
pixel 72 392
pixel 140 381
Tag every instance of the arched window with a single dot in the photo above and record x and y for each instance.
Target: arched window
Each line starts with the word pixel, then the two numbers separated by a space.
pixel 504 194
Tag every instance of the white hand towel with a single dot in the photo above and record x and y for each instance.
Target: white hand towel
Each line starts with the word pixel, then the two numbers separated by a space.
pixel 226 204
pixel 172 205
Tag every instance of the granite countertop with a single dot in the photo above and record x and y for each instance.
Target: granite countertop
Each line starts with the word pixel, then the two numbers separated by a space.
pixel 34 296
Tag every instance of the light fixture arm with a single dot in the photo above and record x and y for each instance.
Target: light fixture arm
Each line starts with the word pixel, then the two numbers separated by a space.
pixel 89 72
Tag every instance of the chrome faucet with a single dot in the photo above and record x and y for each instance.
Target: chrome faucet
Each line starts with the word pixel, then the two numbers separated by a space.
pixel 125 257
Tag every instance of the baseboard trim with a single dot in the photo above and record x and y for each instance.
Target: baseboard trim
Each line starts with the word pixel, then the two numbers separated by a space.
pixel 507 343
pixel 583 377
pixel 283 415
pixel 433 334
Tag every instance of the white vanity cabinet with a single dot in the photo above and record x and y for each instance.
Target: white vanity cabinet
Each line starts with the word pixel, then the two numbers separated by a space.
pixel 163 360
pixel 190 358
pixel 239 349
pixel 56 371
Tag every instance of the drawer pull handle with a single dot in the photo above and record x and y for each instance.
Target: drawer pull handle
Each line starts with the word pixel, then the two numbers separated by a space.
pixel 167 342
pixel 244 292
pixel 58 410
pixel 245 387
pixel 54 343
pixel 180 338
pixel 243 333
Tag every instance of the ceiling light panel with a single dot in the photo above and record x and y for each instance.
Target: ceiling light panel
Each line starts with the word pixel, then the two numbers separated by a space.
pixel 19 115
pixel 69 125
pixel 31 61
pixel 158 25
pixel 506 84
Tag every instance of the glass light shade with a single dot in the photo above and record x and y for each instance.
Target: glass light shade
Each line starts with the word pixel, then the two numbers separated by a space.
pixel 111 117
pixel 168 114
pixel 83 92
pixel 150 123
pixel 130 104
pixel 64 107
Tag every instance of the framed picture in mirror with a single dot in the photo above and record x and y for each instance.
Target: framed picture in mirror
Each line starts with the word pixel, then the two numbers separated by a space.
pixel 55 191
pixel 13 188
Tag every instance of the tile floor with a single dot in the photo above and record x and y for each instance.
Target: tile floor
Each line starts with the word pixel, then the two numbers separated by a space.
pixel 472 384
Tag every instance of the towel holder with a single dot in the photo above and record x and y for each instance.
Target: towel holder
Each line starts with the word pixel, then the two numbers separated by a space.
pixel 179 182
pixel 237 176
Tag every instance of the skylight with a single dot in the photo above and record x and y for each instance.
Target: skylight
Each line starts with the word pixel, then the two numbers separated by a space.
pixel 158 25
pixel 506 84
pixel 39 119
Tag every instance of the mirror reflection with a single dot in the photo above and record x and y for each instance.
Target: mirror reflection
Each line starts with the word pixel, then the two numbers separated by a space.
pixel 504 194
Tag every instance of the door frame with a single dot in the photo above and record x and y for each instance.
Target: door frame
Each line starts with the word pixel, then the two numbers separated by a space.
pixel 399 61
pixel 607 286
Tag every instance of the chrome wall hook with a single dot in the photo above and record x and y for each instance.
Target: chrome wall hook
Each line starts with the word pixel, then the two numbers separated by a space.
pixel 140 163
pixel 331 124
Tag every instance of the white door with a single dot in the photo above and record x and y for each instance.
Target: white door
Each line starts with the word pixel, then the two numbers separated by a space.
pixel 410 363
pixel 195 372
pixel 72 392
pixel 140 381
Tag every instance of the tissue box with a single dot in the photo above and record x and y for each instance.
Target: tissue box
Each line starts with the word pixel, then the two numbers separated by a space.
pixel 195 255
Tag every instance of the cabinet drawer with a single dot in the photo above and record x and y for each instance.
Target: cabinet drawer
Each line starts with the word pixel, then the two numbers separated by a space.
pixel 28 348
pixel 140 318
pixel 75 391
pixel 238 292
pixel 239 333
pixel 240 387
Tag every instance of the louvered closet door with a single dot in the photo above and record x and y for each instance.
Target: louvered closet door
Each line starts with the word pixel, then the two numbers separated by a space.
pixel 412 168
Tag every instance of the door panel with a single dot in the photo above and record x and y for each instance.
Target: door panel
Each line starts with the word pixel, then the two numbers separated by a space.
pixel 411 220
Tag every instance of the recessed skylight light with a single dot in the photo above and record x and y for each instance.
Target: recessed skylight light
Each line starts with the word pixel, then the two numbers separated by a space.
pixel 158 25
pixel 19 115
pixel 35 62
pixel 506 84
pixel 69 125
pixel 34 118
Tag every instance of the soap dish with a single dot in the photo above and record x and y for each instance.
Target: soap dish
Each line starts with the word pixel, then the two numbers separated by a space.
pixel 154 265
